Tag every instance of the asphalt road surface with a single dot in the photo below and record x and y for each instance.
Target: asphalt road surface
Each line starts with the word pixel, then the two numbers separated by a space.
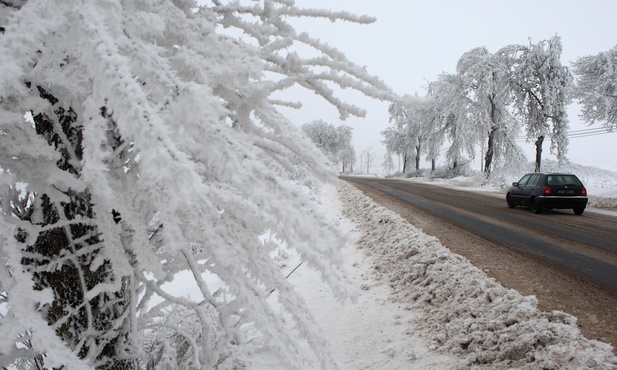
pixel 582 245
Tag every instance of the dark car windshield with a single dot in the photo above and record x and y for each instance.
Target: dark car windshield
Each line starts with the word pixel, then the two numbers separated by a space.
pixel 563 180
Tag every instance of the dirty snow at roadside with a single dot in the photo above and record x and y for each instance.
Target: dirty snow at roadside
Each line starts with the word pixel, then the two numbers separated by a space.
pixel 424 307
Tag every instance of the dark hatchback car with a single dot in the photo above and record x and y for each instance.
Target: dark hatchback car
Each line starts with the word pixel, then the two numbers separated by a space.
pixel 541 191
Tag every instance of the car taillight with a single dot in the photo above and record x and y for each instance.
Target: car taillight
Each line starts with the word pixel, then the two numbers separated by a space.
pixel 583 191
pixel 547 191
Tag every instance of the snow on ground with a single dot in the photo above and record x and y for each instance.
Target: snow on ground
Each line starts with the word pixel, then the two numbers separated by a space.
pixel 374 332
pixel 423 307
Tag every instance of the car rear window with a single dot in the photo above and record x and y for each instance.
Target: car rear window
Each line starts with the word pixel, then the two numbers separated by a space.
pixel 563 180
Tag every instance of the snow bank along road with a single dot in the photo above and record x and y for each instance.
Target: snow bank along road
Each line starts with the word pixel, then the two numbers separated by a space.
pixel 457 308
pixel 568 262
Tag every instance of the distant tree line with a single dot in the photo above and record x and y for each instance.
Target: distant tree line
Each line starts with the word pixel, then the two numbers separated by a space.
pixel 334 142
pixel 492 97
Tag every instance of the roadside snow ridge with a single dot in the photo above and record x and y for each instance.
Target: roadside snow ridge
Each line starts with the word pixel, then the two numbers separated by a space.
pixel 464 311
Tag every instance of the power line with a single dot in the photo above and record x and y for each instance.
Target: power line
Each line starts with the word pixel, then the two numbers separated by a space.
pixel 589 133
pixel 604 129
pixel 578 133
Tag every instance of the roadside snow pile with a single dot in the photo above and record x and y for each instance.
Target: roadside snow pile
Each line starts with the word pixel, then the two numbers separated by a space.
pixel 603 202
pixel 463 310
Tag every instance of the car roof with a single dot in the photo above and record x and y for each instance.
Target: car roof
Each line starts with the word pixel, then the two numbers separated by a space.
pixel 552 173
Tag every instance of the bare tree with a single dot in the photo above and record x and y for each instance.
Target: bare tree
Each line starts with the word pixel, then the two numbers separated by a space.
pixel 334 142
pixel 410 136
pixel 486 77
pixel 596 87
pixel 542 90
pixel 367 159
pixel 452 121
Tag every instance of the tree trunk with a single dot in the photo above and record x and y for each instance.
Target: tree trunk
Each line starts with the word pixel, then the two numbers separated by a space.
pixel 490 152
pixel 539 153
pixel 418 147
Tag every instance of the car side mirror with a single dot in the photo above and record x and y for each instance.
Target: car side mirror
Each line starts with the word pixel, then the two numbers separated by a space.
pixel 515 184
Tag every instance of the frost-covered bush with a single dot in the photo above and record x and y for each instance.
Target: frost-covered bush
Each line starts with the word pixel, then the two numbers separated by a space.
pixel 151 150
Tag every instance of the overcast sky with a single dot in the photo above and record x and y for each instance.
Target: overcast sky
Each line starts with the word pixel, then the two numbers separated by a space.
pixel 413 41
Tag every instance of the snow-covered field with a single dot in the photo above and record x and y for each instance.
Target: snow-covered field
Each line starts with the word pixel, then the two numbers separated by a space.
pixel 423 307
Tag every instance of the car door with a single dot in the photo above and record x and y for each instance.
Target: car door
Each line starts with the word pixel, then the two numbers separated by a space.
pixel 516 193
pixel 528 189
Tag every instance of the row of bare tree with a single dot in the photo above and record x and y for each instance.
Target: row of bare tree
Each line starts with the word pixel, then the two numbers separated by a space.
pixel 493 97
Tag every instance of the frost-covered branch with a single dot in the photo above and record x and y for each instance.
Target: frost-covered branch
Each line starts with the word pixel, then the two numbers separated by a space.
pixel 596 87
pixel 154 149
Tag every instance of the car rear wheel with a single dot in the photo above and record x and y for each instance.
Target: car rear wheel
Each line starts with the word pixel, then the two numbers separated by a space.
pixel 535 207
pixel 579 210
pixel 510 202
